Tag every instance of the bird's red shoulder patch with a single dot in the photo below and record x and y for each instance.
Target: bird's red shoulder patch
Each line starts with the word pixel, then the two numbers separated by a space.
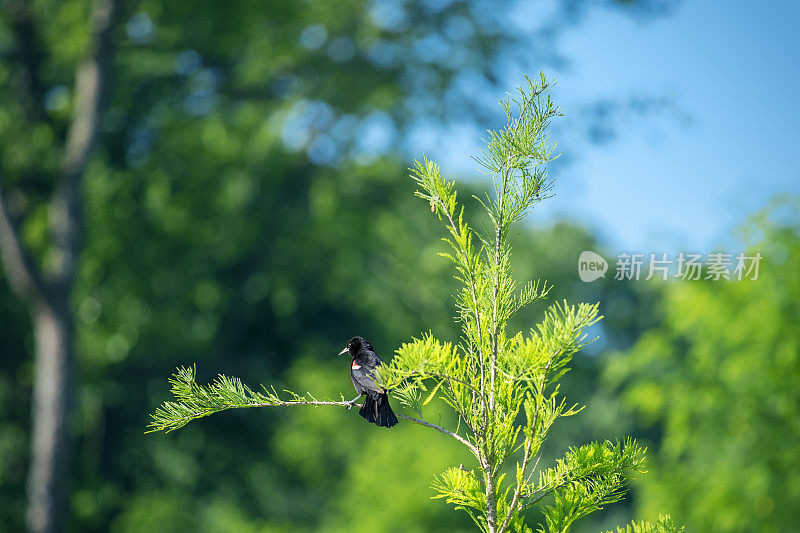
pixel 355 365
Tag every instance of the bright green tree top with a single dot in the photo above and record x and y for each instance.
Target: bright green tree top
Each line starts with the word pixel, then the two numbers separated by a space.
pixel 502 387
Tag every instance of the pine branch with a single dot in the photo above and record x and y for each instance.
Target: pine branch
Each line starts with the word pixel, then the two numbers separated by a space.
pixel 602 464
pixel 194 401
pixel 531 292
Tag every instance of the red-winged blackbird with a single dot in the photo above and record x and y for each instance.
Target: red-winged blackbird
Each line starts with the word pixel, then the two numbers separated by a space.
pixel 376 401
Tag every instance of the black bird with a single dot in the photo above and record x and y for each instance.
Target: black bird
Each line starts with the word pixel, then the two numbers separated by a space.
pixel 376 407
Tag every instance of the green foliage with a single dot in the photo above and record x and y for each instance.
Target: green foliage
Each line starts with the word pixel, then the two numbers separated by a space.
pixel 584 481
pixel 214 233
pixel 717 384
pixel 213 236
pixel 193 401
pixel 463 489
pixel 504 390
pixel 664 524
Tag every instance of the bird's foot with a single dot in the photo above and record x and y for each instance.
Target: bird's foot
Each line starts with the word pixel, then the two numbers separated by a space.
pixel 352 402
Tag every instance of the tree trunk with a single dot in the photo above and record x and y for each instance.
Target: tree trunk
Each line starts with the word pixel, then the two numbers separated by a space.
pixel 47 297
pixel 50 405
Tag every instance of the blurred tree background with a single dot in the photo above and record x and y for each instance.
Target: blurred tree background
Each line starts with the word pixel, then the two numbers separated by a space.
pixel 716 388
pixel 246 207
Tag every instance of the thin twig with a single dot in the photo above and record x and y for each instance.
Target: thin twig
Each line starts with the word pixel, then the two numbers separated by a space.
pixel 459 438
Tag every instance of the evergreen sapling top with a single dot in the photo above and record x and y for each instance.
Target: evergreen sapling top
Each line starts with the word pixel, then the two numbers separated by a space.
pixel 502 386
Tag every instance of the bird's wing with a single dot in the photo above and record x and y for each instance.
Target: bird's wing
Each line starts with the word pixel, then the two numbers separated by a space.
pixel 363 379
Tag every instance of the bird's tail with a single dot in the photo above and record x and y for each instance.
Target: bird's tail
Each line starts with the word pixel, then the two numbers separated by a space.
pixel 376 410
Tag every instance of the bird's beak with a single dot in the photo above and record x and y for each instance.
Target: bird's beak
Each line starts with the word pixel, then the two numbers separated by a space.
pixel 343 351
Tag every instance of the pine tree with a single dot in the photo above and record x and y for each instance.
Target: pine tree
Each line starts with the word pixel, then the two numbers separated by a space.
pixel 503 387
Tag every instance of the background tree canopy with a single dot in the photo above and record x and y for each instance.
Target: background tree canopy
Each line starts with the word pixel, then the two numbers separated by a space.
pixel 715 386
pixel 247 207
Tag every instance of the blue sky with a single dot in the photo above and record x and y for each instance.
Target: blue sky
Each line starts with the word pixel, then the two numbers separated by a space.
pixel 723 141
